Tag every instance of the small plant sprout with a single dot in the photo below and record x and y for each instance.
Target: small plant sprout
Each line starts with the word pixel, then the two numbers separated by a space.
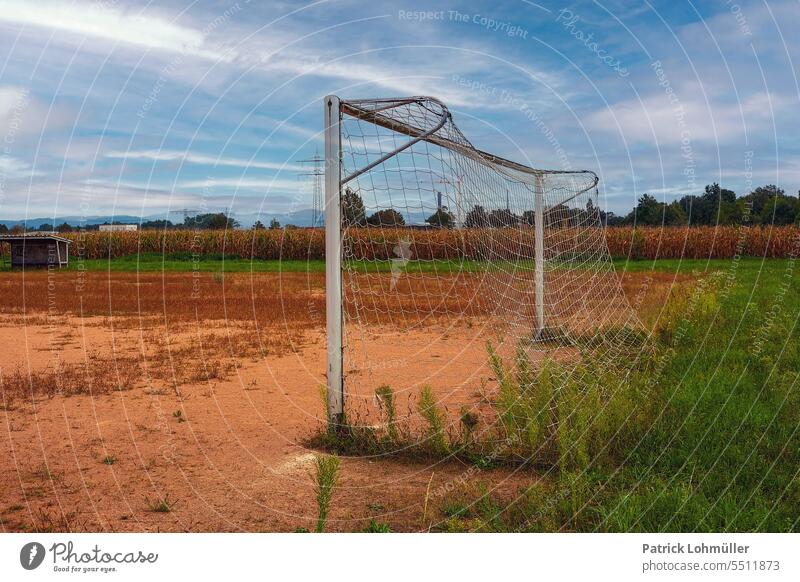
pixel 161 504
pixel 323 397
pixel 327 474
pixel 385 397
pixel 469 421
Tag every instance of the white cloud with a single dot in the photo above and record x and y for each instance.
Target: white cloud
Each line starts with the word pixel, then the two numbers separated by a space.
pixel 207 185
pixel 110 23
pixel 189 158
pixel 717 122
pixel 402 72
pixel 296 186
pixel 12 98
pixel 12 168
pixel 91 198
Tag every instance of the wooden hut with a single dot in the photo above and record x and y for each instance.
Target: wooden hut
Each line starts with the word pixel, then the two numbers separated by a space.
pixel 37 249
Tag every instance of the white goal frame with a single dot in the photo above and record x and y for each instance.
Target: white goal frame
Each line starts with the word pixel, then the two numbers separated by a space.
pixel 334 182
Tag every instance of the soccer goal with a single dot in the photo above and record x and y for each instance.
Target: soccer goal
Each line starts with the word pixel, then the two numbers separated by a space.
pixel 434 248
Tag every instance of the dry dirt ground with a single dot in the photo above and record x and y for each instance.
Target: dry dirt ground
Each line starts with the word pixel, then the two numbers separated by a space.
pixel 123 393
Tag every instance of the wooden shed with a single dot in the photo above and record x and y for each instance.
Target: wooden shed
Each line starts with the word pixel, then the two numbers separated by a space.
pixel 37 249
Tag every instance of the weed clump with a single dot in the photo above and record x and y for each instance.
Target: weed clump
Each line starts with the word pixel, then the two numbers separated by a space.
pixel 377 527
pixel 385 397
pixel 435 419
pixel 163 504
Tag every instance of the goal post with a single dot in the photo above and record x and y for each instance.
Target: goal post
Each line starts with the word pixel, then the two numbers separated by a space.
pixel 538 206
pixel 333 261
pixel 435 248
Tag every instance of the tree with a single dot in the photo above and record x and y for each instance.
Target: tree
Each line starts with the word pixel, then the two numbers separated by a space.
pixel 259 225
pixel 558 216
pixel 502 217
pixel 651 212
pixel 715 206
pixel 718 204
pixel 386 217
pixel 442 218
pixel 731 213
pixel 647 211
pixel 770 205
pixel 45 227
pixel 529 217
pixel 3 228
pixel 211 221
pixel 64 227
pixel 156 225
pixel 353 211
pixel 476 218
pixel 611 219
pixel 761 196
pixel 274 224
pixel 694 208
pixel 674 214
pixel 781 210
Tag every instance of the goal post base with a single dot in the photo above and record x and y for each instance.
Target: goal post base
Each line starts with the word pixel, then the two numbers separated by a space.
pixel 551 334
pixel 338 426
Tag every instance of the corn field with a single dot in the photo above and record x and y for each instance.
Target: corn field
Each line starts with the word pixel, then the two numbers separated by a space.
pixel 378 243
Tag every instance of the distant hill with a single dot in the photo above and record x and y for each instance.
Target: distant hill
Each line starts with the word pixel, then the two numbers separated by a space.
pixel 299 218
pixel 303 217
pixel 34 223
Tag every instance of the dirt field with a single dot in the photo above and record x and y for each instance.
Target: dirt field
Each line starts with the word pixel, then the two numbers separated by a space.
pixel 121 391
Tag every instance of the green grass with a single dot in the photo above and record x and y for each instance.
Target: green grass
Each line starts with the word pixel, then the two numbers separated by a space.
pixel 748 264
pixel 707 434
pixel 211 263
pixel 184 262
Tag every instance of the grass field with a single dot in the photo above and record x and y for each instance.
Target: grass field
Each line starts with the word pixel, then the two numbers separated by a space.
pixel 184 262
pixel 710 439
pixel 701 435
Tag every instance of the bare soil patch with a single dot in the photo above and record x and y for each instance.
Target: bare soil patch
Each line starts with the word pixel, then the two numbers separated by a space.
pixel 132 389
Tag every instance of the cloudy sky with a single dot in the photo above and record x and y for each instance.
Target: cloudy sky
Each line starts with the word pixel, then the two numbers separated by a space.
pixel 124 107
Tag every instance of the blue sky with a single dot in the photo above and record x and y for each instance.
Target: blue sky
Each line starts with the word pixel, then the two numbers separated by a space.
pixel 140 108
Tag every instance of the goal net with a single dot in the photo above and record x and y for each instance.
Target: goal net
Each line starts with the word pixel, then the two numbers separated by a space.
pixel 436 248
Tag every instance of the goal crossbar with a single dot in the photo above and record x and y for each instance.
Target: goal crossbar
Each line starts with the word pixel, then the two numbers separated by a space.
pixel 354 109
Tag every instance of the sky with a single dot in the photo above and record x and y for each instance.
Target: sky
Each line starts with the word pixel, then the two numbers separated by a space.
pixel 144 108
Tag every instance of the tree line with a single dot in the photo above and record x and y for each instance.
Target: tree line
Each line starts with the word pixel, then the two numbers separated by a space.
pixel 716 206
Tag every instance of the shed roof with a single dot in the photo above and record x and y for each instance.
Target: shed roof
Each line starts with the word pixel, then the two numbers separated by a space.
pixel 33 236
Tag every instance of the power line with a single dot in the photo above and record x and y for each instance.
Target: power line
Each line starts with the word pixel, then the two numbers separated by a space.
pixel 317 174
